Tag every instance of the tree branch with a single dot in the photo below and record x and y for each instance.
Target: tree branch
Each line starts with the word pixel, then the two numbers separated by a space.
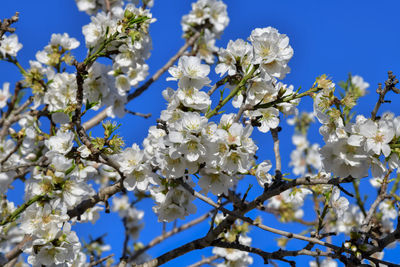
pixel 389 86
pixel 204 261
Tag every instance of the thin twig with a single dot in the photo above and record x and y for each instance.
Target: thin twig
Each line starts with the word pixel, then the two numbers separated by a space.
pixel 108 6
pixel 101 196
pixel 17 250
pixel 18 87
pixel 204 261
pixel 366 225
pixel 100 260
pixel 274 133
pixel 19 143
pixel 389 85
pixel 217 85
pixel 6 23
pixel 146 116
pixel 174 231
pixel 126 240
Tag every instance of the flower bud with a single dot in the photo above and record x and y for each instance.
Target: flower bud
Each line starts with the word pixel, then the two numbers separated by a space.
pixel 128 14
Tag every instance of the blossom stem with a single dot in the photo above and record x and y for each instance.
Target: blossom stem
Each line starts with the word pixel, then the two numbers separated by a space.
pixel 217 85
pixel 360 203
pixel 396 184
pixel 288 98
pixel 16 63
pixel 21 209
pixel 232 93
pixel 94 263
pixel 394 145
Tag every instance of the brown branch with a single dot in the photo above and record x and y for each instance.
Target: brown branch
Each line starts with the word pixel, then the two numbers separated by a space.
pixel 100 260
pixel 366 225
pixel 103 114
pixel 242 109
pixel 170 255
pixel 108 6
pixel 359 201
pixel 17 250
pixel 18 87
pixel 204 261
pixel 252 222
pixel 277 212
pixel 274 133
pixel 19 143
pixel 389 86
pixel 237 213
pixel 101 196
pixel 281 186
pixel 146 116
pixel 174 231
pixel 388 239
pixel 6 23
pixel 278 255
pixel 27 165
pixel 126 240
pixel 13 117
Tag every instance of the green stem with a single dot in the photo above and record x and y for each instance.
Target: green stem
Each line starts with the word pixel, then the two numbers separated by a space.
pixel 396 184
pixel 322 216
pixel 288 98
pixel 360 203
pixel 21 209
pixel 232 93
pixel 90 59
pixel 16 63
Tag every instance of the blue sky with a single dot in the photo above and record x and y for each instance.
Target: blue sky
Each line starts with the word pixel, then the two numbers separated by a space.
pixel 332 37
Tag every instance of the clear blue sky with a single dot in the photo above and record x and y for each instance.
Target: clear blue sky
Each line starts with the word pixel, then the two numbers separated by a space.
pixel 332 37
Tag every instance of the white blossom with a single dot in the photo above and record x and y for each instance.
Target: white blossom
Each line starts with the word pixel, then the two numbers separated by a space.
pixel 359 82
pixel 272 51
pixel 378 136
pixel 10 45
pixel 61 143
pixel 339 204
pixel 4 95
pixel 263 177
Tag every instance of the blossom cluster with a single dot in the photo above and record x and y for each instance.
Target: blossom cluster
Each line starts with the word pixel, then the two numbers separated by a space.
pixel 352 148
pixel 268 53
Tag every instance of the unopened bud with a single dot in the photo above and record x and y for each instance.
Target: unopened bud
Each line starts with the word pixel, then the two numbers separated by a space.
pixel 128 14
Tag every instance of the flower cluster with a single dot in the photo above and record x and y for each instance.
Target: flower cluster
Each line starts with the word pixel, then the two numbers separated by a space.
pixel 267 55
pixel 210 14
pixel 210 18
pixel 124 35
pixel 185 142
pixel 354 149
